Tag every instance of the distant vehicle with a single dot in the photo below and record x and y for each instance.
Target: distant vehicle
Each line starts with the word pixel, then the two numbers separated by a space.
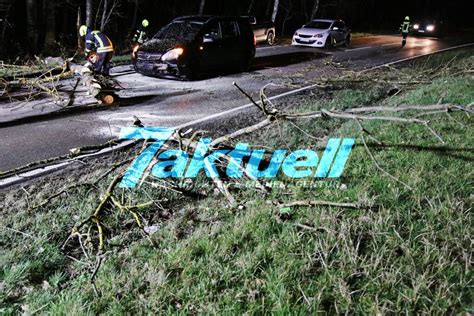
pixel 190 46
pixel 264 31
pixel 323 33
pixel 428 27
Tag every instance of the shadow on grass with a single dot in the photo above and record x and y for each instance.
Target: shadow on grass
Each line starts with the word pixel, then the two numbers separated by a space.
pixel 439 150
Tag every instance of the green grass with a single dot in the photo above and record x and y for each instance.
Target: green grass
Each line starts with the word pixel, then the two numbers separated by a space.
pixel 38 68
pixel 407 251
pixel 20 71
pixel 122 59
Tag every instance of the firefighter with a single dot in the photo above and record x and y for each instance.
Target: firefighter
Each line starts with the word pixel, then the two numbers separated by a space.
pixel 405 28
pixel 141 34
pixel 99 49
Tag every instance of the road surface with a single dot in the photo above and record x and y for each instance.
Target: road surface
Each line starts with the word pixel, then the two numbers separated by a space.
pixel 167 103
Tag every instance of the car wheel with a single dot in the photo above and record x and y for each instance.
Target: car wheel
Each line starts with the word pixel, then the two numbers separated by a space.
pixel 329 42
pixel 271 38
pixel 192 72
pixel 245 63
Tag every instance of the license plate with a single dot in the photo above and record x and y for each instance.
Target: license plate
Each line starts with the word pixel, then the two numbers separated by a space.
pixel 304 40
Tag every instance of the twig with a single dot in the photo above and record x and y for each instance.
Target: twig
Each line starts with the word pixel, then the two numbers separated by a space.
pixel 77 185
pixel 321 203
pixel 241 132
pixel 314 229
pixel 100 258
pixel 376 163
pixel 259 106
pixel 18 232
pixel 434 133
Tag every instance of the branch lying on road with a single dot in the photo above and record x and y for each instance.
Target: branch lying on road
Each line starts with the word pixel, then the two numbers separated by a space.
pixel 48 83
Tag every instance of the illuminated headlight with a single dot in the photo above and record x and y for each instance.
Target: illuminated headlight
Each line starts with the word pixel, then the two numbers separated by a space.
pixel 430 28
pixel 172 54
pixel 416 26
pixel 319 35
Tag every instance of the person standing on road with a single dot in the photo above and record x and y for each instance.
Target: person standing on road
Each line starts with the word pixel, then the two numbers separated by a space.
pixel 405 28
pixel 99 49
pixel 141 34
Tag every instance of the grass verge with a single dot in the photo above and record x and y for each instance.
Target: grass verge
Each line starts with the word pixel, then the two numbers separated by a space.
pixel 408 250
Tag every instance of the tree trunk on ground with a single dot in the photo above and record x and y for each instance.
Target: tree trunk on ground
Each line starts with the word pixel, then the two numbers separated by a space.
pixel 315 9
pixel 96 88
pixel 276 5
pixel 201 7
pixel 50 20
pixel 31 25
pixel 90 13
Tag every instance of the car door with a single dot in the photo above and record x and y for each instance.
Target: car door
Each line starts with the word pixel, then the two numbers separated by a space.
pixel 344 32
pixel 230 41
pixel 212 44
pixel 258 29
pixel 338 31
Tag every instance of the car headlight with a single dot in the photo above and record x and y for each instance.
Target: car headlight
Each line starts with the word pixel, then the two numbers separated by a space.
pixel 296 34
pixel 172 54
pixel 416 26
pixel 430 28
pixel 319 35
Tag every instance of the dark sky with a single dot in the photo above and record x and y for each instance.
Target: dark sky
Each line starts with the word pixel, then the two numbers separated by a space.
pixel 368 15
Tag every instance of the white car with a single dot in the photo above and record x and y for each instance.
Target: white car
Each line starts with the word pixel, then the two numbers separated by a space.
pixel 323 33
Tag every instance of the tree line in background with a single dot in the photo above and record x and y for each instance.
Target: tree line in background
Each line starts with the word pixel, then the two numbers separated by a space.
pixel 51 25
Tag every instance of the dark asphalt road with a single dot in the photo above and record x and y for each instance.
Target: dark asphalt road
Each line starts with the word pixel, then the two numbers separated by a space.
pixel 159 102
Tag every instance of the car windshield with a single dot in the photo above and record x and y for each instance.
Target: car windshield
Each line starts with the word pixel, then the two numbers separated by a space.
pixel 180 30
pixel 320 25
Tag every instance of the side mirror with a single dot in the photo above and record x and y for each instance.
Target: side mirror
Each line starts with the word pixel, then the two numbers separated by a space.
pixel 208 38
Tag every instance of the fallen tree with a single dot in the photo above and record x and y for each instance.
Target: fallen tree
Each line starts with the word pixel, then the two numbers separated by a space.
pixel 111 197
pixel 48 83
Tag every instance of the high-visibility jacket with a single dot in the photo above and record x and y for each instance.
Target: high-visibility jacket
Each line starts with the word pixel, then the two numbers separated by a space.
pixel 98 42
pixel 406 27
pixel 140 35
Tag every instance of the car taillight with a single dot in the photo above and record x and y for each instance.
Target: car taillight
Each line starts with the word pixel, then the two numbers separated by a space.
pixel 254 40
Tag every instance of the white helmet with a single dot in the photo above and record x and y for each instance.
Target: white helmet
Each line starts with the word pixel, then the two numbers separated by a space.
pixel 83 30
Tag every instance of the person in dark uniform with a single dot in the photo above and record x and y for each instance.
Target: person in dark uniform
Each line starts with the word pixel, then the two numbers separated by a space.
pixel 141 34
pixel 99 49
pixel 405 28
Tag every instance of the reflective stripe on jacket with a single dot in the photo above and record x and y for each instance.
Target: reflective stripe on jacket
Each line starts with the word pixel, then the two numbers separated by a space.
pixel 140 35
pixel 98 42
pixel 406 27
